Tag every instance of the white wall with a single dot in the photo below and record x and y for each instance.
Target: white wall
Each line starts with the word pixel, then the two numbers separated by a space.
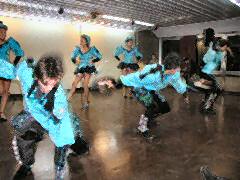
pixel 197 28
pixel 38 38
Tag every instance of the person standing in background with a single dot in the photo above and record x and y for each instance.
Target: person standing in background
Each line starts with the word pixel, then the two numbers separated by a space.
pixel 84 56
pixel 186 69
pixel 129 63
pixel 154 59
pixel 7 69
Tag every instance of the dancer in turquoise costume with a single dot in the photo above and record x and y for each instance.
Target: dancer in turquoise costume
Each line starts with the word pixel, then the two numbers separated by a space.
pixel 7 69
pixel 147 85
pixel 84 56
pixel 129 62
pixel 46 112
pixel 211 61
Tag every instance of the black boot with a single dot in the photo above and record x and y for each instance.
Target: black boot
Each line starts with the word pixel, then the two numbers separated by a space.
pixel 148 135
pixel 3 120
pixel 80 147
pixel 210 111
pixel 151 123
pixel 22 172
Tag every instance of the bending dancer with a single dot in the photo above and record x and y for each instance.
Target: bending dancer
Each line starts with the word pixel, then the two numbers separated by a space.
pixel 212 60
pixel 147 85
pixel 84 56
pixel 131 55
pixel 46 112
pixel 6 67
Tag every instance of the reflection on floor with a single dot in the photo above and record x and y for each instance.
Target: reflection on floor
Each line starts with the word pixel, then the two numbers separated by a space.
pixel 185 141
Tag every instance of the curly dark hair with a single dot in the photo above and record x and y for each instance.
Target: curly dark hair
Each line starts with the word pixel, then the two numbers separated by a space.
pixel 217 44
pixel 172 61
pixel 223 42
pixel 49 67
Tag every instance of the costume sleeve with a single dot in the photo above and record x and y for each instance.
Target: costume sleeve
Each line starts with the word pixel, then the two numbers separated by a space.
pixel 96 54
pixel 119 50
pixel 75 54
pixel 15 47
pixel 178 84
pixel 60 103
pixel 139 55
pixel 25 75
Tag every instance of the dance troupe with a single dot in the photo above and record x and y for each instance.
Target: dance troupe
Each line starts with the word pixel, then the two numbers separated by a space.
pixel 46 105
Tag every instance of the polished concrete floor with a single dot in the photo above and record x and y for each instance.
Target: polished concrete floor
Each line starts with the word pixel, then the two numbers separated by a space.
pixel 185 141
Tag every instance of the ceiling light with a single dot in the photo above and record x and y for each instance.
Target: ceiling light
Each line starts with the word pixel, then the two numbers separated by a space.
pixel 115 18
pixel 143 23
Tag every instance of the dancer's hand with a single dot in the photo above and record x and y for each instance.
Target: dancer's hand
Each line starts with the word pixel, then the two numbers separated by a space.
pixel 230 51
pixel 78 60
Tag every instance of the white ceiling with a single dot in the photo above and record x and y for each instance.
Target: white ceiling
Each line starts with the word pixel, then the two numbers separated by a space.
pixel 162 12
